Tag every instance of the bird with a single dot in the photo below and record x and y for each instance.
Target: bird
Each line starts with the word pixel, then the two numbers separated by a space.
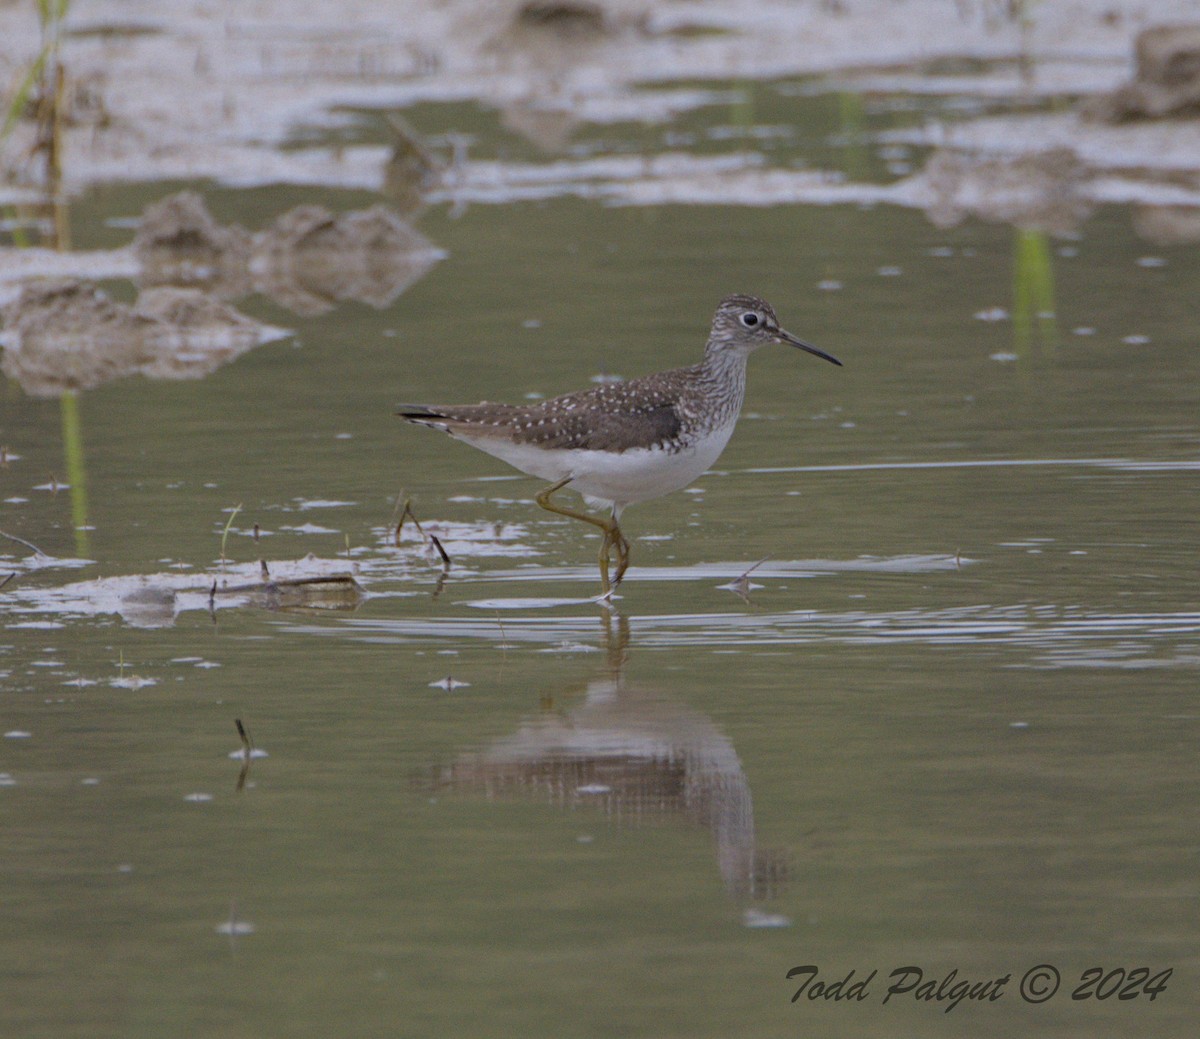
pixel 626 442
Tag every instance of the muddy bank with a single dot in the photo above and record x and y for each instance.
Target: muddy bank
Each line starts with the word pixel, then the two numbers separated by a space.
pixel 308 260
pixel 185 91
pixel 64 336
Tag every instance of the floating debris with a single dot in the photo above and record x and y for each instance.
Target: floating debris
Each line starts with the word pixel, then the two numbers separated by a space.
pixel 150 605
pixel 156 600
pixel 133 682
pixel 332 592
pixel 758 918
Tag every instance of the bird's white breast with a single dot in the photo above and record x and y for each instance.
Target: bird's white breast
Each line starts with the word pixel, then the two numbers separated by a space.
pixel 617 478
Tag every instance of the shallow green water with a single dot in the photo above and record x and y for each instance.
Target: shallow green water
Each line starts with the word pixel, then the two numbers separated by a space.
pixel 955 727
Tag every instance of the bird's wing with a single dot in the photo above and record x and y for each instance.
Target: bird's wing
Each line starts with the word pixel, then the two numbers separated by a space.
pixel 605 418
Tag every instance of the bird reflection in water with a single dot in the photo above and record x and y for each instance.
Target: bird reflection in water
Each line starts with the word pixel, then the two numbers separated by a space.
pixel 638 757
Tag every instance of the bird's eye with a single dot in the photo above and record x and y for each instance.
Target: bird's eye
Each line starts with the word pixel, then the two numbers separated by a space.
pixel 750 319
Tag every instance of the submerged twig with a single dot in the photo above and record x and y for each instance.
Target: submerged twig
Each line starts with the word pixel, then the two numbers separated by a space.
pixel 247 754
pixel 7 579
pixel 740 586
pixel 225 533
pixel 262 563
pixel 332 580
pixel 407 513
pixel 749 570
pixel 439 584
pixel 22 541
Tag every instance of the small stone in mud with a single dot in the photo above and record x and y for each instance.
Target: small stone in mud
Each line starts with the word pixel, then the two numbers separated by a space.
pixel 310 258
pixel 570 18
pixel 1167 82
pixel 1167 225
pixel 64 336
pixel 179 243
pixel 1040 191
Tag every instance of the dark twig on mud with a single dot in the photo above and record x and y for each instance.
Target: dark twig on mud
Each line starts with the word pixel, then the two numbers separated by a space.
pixel 407 513
pixel 441 551
pixel 330 580
pixel 22 541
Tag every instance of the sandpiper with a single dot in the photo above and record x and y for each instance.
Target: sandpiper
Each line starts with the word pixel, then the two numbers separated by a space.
pixel 625 442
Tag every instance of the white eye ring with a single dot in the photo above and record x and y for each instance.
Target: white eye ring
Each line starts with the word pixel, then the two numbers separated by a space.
pixel 750 319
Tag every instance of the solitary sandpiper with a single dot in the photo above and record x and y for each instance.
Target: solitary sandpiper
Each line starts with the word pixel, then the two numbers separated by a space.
pixel 625 442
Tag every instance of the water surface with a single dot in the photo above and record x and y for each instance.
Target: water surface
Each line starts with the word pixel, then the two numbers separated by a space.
pixel 950 718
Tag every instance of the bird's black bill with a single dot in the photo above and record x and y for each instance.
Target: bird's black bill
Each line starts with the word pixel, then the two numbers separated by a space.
pixel 791 340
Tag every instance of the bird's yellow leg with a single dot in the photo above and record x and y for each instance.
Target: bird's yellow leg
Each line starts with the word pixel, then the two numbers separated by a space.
pixel 621 544
pixel 612 533
pixel 605 549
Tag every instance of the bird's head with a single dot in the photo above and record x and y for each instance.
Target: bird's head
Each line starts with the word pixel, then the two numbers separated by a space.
pixel 744 323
